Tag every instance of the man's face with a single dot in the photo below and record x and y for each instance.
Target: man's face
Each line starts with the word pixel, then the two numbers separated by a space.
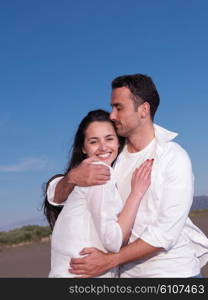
pixel 124 114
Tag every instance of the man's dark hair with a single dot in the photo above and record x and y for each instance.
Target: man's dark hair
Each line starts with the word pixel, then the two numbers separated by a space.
pixel 142 88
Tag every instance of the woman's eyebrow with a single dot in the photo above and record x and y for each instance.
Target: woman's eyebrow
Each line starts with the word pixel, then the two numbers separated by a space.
pixel 95 137
pixel 110 135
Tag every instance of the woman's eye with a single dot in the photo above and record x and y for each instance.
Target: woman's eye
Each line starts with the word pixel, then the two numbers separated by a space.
pixel 93 142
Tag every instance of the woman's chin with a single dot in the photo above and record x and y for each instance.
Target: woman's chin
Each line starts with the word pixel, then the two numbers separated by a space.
pixel 107 161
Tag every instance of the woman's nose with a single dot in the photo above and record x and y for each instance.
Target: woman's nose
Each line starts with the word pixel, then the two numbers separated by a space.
pixel 102 146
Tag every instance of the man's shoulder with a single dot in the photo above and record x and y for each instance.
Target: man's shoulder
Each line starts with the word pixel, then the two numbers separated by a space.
pixel 175 152
pixel 175 147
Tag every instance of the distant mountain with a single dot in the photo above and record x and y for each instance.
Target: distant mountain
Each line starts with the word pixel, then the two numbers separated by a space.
pixel 200 202
pixel 32 221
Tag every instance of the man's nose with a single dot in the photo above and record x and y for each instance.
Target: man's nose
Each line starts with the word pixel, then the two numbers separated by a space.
pixel 113 115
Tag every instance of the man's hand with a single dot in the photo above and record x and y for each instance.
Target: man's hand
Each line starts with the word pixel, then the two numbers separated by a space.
pixel 95 263
pixel 87 174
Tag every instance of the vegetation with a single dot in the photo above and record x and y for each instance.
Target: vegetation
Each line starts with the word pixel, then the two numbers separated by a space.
pixel 198 212
pixel 24 234
pixel 32 233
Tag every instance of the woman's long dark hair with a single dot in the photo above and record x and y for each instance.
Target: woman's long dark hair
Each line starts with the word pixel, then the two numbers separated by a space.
pixel 76 157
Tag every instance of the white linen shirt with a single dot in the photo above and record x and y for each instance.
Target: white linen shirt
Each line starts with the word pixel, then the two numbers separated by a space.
pixel 162 219
pixel 88 219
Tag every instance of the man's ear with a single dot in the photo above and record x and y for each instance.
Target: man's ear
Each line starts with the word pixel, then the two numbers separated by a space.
pixel 144 110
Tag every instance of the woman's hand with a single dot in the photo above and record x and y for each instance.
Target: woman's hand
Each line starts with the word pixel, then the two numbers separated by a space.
pixel 141 178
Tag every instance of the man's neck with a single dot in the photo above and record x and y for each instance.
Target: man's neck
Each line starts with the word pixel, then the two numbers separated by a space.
pixel 141 138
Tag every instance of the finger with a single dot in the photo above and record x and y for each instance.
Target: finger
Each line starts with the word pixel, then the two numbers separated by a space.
pixel 147 170
pixel 99 182
pixel 142 173
pixel 101 169
pixel 76 267
pixel 147 174
pixel 91 159
pixel 77 272
pixel 86 251
pixel 142 167
pixel 77 261
pixel 146 165
pixel 85 276
pixel 102 177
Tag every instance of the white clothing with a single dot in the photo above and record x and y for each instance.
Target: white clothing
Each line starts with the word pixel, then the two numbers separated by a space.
pixel 162 219
pixel 88 219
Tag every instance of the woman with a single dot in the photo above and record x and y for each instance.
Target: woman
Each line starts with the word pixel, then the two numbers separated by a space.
pixel 93 216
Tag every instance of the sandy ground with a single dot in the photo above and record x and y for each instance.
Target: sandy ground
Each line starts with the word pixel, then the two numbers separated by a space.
pixel 25 261
pixel 34 260
pixel 201 221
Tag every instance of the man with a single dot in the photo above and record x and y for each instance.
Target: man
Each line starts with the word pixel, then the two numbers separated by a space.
pixel 164 242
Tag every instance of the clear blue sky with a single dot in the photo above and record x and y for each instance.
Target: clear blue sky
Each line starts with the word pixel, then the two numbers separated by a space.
pixel 57 62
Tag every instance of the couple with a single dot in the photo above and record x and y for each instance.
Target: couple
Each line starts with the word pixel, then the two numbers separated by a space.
pixel 135 215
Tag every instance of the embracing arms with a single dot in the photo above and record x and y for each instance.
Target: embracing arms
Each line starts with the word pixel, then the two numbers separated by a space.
pixel 86 174
pixel 175 194
pixel 97 262
pixel 113 220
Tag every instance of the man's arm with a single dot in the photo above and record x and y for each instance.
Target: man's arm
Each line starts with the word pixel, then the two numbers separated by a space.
pixel 63 188
pixel 97 262
pixel 175 199
pixel 86 174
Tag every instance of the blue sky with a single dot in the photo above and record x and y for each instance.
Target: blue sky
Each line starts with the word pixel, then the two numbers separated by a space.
pixel 58 59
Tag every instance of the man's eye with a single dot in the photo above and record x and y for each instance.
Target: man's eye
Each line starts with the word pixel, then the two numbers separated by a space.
pixel 92 142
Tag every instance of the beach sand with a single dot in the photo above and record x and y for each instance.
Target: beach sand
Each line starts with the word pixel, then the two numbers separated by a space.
pixel 33 260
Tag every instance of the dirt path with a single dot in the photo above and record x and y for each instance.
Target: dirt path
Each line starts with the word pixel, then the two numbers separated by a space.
pixel 201 221
pixel 25 261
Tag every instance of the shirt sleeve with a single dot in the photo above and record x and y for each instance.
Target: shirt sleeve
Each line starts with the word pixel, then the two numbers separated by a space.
pixel 175 196
pixel 105 204
pixel 51 191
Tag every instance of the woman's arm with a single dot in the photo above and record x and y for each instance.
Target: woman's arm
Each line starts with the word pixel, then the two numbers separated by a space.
pixel 140 182
pixel 113 222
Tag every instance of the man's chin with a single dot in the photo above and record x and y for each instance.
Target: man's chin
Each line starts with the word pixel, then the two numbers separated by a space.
pixel 120 132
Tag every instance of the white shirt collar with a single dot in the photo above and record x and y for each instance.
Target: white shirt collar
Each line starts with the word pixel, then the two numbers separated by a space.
pixel 163 135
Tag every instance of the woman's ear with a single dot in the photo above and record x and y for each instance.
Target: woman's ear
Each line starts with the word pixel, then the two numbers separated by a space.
pixel 83 150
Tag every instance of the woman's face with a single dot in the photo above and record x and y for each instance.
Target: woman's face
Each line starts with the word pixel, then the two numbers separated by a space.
pixel 101 140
